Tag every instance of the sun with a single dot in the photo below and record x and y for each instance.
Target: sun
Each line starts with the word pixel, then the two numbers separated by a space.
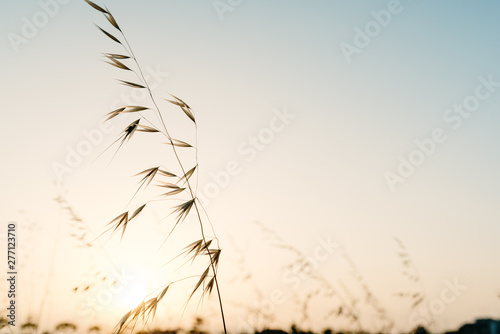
pixel 135 289
pixel 134 294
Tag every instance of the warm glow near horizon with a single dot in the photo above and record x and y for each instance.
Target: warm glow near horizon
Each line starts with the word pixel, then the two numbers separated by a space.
pixel 347 160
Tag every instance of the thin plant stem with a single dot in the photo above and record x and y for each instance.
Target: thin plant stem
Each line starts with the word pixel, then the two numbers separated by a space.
pixel 192 193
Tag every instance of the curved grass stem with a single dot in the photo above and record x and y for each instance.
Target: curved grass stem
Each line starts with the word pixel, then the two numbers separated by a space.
pixel 192 193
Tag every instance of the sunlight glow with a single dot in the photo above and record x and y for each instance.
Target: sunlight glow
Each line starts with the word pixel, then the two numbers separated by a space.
pixel 136 289
pixel 134 294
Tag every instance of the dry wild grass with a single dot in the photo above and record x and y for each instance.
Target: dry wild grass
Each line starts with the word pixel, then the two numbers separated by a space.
pixel 81 233
pixel 257 314
pixel 345 304
pixel 368 295
pixel 416 293
pixel 176 181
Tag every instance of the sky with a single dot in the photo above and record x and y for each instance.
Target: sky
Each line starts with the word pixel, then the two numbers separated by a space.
pixel 326 127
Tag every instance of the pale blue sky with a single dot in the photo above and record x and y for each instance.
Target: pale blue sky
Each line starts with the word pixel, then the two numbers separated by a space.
pixel 322 175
